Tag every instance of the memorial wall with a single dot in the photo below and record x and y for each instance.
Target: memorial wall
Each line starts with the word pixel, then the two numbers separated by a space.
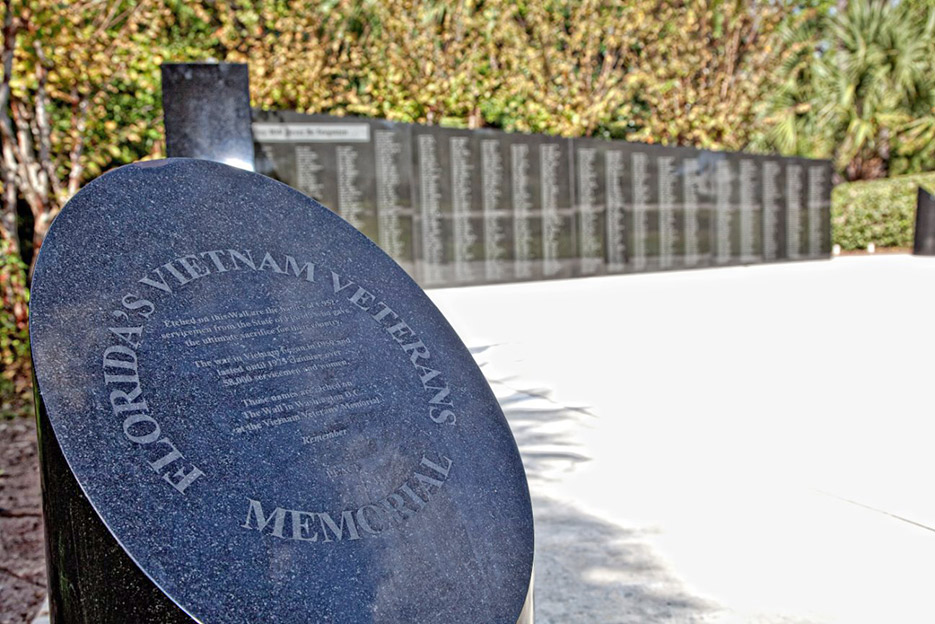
pixel 457 207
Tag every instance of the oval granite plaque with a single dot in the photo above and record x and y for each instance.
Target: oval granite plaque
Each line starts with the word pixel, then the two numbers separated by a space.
pixel 267 413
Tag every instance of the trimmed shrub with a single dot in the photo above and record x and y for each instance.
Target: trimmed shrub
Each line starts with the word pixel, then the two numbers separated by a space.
pixel 881 212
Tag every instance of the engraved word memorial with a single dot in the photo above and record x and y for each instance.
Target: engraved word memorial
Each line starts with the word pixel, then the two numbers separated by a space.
pixel 250 413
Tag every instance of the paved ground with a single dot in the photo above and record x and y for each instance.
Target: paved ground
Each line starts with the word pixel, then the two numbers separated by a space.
pixel 732 445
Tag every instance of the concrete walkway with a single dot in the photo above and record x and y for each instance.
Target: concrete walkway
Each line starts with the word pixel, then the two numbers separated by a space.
pixel 731 445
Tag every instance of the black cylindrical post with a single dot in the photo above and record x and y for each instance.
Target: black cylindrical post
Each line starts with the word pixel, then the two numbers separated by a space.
pixel 924 244
pixel 207 112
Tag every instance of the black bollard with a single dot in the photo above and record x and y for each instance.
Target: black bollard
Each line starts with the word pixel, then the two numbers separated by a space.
pixel 207 112
pixel 924 244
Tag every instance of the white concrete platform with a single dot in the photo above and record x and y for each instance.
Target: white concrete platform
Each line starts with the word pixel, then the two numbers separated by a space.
pixel 728 445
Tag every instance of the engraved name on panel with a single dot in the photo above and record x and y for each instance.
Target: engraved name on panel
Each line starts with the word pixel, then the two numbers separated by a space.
pixel 692 212
pixel 614 163
pixel 772 209
pixel 430 198
pixel 462 204
pixel 817 181
pixel 794 185
pixel 667 178
pixel 589 188
pixel 390 210
pixel 497 215
pixel 523 235
pixel 550 161
pixel 750 210
pixel 724 210
pixel 641 199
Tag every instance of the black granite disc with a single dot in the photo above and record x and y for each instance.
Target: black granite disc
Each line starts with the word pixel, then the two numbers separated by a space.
pixel 271 418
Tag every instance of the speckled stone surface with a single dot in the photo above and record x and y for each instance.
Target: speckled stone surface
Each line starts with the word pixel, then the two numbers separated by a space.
pixel 270 416
pixel 207 112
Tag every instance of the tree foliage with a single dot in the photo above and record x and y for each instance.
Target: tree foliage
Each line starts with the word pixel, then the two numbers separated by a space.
pixel 861 86
pixel 700 79
pixel 75 76
pixel 15 391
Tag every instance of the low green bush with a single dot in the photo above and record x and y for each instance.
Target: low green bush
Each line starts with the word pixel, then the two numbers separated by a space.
pixel 881 212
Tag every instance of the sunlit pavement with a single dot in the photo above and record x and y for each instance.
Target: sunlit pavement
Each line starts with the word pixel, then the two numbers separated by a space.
pixel 727 445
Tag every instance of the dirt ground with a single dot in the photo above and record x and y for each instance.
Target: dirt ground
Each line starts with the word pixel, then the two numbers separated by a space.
pixel 22 557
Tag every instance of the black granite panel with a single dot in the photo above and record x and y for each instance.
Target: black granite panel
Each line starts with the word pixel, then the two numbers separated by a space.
pixel 642 183
pixel 359 167
pixel 773 198
pixel 796 208
pixel 448 179
pixel 750 196
pixel 559 217
pixel 527 210
pixel 670 227
pixel 727 217
pixel 206 108
pixel 496 203
pixel 591 197
pixel 819 208
pixel 619 204
pixel 683 210
pixel 924 243
pixel 541 191
pixel 697 205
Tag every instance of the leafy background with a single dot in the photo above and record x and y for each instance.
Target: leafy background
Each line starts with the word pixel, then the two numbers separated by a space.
pixel 849 80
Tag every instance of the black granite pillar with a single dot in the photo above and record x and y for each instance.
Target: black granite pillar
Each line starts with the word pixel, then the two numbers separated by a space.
pixel 91 578
pixel 207 112
pixel 924 244
pixel 151 519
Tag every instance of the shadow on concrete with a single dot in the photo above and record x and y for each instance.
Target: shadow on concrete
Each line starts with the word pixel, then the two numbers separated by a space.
pixel 543 429
pixel 588 570
pixel 592 571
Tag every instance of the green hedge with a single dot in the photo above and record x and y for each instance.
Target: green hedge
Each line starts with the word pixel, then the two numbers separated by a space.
pixel 15 376
pixel 881 212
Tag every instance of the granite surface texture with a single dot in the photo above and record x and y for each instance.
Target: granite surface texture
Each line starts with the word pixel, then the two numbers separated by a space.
pixel 268 414
pixel 207 112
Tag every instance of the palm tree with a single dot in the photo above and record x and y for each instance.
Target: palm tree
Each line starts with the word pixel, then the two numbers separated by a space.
pixel 870 81
pixel 793 127
pixel 867 82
